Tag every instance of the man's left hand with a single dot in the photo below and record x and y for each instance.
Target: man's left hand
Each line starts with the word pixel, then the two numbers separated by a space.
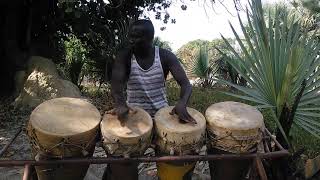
pixel 181 110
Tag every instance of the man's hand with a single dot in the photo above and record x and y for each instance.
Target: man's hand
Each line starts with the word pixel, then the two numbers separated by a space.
pixel 181 110
pixel 172 64
pixel 122 113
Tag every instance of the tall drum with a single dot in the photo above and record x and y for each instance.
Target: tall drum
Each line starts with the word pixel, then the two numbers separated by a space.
pixel 232 128
pixel 63 128
pixel 131 138
pixel 176 138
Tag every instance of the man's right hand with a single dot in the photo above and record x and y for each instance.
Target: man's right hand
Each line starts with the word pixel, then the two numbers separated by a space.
pixel 122 112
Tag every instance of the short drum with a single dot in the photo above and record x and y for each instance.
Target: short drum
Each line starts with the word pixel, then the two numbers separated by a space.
pixel 128 139
pixel 63 128
pixel 233 128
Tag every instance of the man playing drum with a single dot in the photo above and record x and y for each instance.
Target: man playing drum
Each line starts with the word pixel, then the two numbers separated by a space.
pixel 142 69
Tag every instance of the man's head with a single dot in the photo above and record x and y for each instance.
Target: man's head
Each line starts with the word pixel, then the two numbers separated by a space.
pixel 141 34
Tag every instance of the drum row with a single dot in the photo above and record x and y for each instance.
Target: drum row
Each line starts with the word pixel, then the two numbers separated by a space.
pixel 65 128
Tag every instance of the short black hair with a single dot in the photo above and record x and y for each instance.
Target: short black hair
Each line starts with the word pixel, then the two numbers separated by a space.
pixel 147 24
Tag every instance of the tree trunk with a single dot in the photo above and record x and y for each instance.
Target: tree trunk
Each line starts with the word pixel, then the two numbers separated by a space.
pixel 287 117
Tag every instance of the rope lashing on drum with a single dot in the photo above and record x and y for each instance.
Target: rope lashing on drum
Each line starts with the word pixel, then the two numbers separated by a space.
pixel 245 143
pixel 183 147
pixel 64 144
pixel 114 145
pixel 43 152
pixel 240 141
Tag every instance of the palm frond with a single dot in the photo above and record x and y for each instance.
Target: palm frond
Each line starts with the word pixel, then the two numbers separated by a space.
pixel 276 57
pixel 202 67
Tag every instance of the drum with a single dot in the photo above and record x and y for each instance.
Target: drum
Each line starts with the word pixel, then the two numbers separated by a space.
pixel 232 127
pixel 126 140
pixel 63 128
pixel 176 138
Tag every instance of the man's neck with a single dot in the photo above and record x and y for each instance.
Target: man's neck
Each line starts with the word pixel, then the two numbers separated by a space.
pixel 144 52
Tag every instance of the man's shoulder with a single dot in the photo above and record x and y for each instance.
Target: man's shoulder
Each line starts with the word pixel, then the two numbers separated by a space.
pixel 164 51
pixel 166 55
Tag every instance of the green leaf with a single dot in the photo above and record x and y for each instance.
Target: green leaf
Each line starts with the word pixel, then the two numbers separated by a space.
pixel 276 56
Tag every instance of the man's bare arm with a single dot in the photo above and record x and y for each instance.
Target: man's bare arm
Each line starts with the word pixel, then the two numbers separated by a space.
pixel 178 73
pixel 119 78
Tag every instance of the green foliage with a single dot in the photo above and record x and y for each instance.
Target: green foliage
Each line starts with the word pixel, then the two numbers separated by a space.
pixel 312 5
pixel 196 64
pixel 188 52
pixel 227 72
pixel 162 44
pixel 103 52
pixel 309 14
pixel 202 68
pixel 75 59
pixel 100 25
pixel 201 98
pixel 278 58
pixel 299 10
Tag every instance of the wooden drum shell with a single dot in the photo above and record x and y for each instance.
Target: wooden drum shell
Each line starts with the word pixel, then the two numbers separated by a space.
pixel 72 136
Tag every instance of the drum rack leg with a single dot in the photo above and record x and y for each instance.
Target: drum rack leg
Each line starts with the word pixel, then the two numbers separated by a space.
pixel 275 140
pixel 260 168
pixel 5 148
pixel 27 172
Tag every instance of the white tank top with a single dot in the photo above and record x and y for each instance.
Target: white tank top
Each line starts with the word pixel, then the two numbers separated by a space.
pixel 146 88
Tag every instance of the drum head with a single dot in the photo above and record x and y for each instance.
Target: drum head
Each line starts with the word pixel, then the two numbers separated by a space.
pixel 171 123
pixel 65 117
pixel 136 125
pixel 176 138
pixel 234 116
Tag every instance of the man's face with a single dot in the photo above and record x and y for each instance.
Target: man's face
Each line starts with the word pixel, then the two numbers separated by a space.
pixel 139 38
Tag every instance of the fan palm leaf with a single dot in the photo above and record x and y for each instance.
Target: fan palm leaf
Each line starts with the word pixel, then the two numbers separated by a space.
pixel 276 59
pixel 200 66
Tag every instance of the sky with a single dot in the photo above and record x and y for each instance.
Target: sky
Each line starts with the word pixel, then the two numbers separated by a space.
pixel 199 21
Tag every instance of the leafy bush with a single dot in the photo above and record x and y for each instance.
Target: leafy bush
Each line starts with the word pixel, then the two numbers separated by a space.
pixel 202 67
pixel 75 59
